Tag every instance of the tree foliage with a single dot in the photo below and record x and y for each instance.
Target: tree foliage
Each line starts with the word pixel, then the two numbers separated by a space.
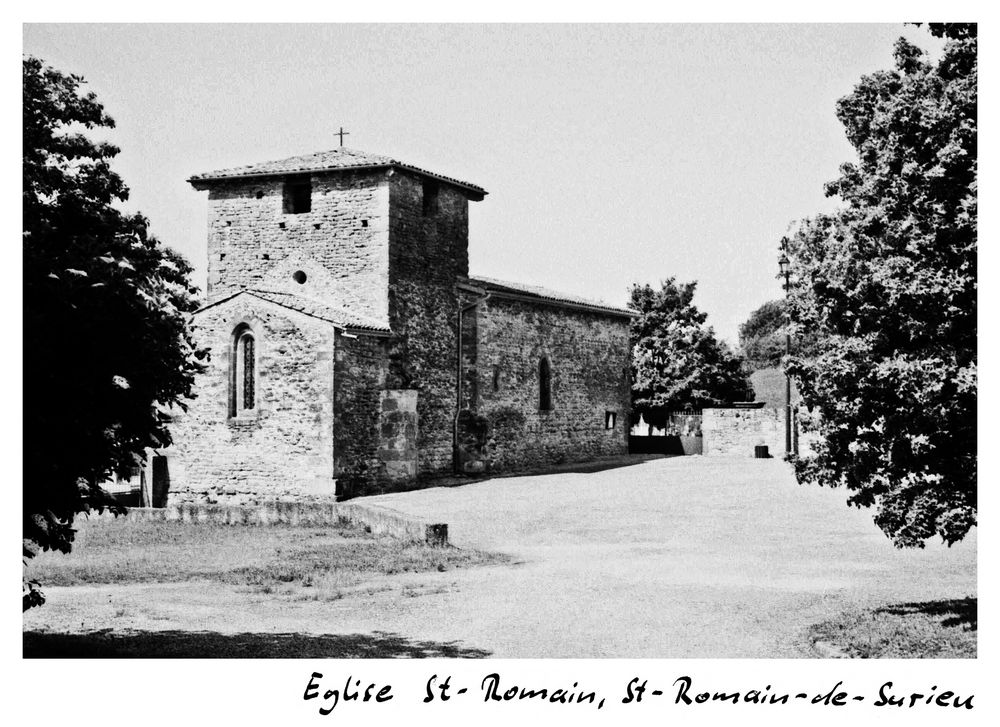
pixel 107 348
pixel 888 283
pixel 677 362
pixel 762 337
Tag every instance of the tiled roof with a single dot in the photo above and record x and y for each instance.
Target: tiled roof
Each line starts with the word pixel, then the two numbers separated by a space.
pixel 534 291
pixel 325 161
pixel 340 317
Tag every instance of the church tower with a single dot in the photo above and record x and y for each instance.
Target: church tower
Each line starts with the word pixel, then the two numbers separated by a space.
pixel 333 227
pixel 332 320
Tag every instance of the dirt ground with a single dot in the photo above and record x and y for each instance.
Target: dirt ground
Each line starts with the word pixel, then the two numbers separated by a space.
pixel 678 557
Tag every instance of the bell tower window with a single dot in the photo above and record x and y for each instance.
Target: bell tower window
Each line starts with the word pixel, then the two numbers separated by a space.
pixel 430 198
pixel 297 196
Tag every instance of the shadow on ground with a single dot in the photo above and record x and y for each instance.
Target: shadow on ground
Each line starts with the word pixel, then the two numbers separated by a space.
pixel 596 465
pixel 603 464
pixel 961 612
pixel 107 644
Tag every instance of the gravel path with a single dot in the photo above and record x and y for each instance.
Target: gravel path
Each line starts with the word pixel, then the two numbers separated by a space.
pixel 680 557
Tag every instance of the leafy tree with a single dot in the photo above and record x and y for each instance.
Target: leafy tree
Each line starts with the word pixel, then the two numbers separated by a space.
pixel 677 362
pixel 889 284
pixel 107 349
pixel 762 337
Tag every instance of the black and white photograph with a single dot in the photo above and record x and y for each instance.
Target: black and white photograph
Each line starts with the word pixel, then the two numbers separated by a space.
pixel 516 341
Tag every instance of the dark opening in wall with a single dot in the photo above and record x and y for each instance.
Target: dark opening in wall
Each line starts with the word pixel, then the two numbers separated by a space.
pixel 299 277
pixel 544 385
pixel 297 196
pixel 259 195
pixel 430 196
pixel 496 377
pixel 364 223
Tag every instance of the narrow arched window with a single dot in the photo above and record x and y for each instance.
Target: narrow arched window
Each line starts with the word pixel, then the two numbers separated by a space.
pixel 243 372
pixel 544 385
pixel 247 362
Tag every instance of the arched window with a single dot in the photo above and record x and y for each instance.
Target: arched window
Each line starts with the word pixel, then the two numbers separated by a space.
pixel 243 372
pixel 544 385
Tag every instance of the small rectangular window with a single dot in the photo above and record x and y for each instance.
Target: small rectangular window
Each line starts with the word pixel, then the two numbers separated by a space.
pixel 297 196
pixel 430 196
pixel 609 419
pixel 544 385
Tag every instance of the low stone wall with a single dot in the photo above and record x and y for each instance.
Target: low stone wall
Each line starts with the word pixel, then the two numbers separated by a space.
pixel 378 520
pixel 735 432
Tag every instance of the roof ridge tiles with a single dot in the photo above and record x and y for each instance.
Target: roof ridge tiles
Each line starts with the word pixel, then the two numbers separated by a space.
pixel 547 294
pixel 331 160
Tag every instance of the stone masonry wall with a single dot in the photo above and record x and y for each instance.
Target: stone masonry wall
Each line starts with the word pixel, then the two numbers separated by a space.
pixel 736 432
pixel 341 244
pixel 398 434
pixel 427 253
pixel 359 378
pixel 284 449
pixel 589 358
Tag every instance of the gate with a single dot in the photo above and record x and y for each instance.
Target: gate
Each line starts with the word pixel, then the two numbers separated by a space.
pixel 676 433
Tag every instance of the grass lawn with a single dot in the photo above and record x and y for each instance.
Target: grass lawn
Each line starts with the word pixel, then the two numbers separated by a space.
pixel 933 629
pixel 309 563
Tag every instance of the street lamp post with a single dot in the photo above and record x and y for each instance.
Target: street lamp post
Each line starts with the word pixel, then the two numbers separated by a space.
pixel 785 266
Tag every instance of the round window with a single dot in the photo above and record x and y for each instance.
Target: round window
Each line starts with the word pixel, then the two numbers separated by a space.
pixel 299 277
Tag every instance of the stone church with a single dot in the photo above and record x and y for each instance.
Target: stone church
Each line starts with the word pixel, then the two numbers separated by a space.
pixel 351 352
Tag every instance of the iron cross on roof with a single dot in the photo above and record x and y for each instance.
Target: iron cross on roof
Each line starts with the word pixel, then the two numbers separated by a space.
pixel 342 134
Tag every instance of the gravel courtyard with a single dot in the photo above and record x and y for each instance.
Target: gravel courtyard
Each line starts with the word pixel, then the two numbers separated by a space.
pixel 679 557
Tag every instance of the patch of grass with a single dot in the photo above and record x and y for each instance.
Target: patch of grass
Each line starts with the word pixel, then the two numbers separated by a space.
pixel 932 629
pixel 272 559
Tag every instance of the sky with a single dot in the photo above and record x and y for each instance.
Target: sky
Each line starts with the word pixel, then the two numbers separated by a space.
pixel 612 154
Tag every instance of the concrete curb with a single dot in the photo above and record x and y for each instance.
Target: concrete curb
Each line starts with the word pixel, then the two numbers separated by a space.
pixel 380 521
pixel 828 651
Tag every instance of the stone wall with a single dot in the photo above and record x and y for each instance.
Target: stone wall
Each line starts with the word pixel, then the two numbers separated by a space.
pixel 588 358
pixel 398 434
pixel 283 448
pixel 359 377
pixel 736 432
pixel 428 251
pixel 378 520
pixel 341 243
